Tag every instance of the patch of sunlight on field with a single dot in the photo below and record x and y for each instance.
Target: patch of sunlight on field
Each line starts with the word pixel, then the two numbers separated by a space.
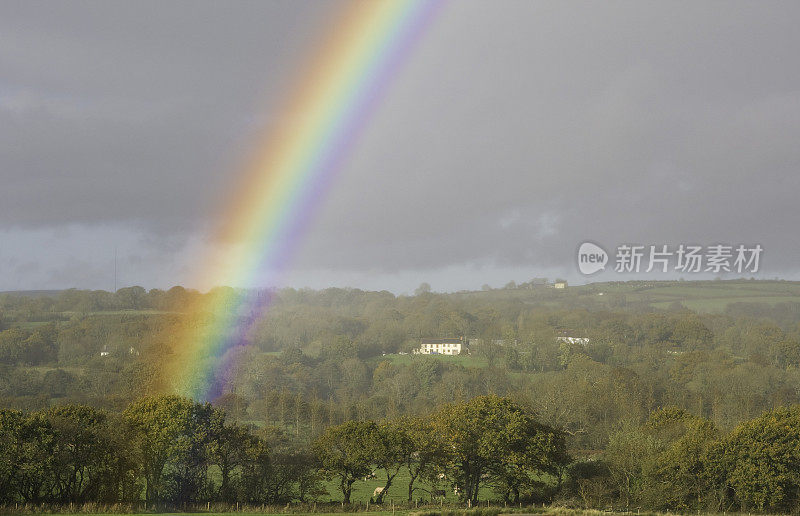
pixel 718 305
pixel 462 360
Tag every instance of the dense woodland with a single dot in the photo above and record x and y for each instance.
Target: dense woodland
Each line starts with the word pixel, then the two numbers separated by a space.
pixel 665 407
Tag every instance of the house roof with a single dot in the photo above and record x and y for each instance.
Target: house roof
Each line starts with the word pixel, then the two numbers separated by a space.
pixel 442 341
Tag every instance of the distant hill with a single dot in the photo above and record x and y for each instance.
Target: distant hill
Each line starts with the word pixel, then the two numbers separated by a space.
pixel 31 293
pixel 712 296
pixel 705 296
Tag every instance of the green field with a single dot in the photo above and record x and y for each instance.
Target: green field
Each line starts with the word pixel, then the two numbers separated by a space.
pixel 703 296
pixel 32 325
pixel 125 311
pixel 398 492
pixel 718 305
pixel 494 510
pixel 462 360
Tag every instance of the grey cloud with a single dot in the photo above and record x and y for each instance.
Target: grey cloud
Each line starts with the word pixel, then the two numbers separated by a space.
pixel 516 131
pixel 650 124
pixel 123 112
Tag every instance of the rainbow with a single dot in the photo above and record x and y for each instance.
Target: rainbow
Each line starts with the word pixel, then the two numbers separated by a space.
pixel 275 203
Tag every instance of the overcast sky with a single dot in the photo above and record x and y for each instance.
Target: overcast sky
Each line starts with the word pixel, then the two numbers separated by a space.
pixel 516 131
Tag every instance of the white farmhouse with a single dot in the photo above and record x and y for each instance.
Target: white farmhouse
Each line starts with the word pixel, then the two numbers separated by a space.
pixel 441 346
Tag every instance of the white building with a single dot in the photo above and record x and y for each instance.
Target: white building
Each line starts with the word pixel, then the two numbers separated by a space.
pixel 441 346
pixel 574 340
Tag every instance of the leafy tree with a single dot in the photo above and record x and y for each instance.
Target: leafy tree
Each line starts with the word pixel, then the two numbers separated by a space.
pixel 347 452
pixel 589 480
pixel 681 471
pixel 171 434
pixel 421 449
pixel 631 455
pixel 57 383
pixel 493 437
pixel 256 467
pixel 229 447
pixel 39 348
pixel 390 447
pixel 91 457
pixel 756 464
pixel 11 424
pixel 12 345
pixel 539 450
pixel 292 475
pixel 34 481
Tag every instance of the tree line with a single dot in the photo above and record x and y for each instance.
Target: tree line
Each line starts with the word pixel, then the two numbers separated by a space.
pixel 675 461
pixel 172 451
pixel 159 450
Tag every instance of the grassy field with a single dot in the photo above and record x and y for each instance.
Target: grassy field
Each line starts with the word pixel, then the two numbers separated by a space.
pixel 398 492
pixel 32 325
pixel 117 312
pixel 495 510
pixel 398 512
pixel 718 305
pixel 703 296
pixel 462 360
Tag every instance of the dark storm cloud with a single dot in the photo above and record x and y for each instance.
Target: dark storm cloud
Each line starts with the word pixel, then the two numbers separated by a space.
pixel 516 131
pixel 540 125
pixel 136 111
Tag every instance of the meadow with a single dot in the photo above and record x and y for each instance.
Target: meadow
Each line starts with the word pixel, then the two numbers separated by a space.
pixel 701 296
pixel 398 492
pixel 429 510
pixel 457 360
